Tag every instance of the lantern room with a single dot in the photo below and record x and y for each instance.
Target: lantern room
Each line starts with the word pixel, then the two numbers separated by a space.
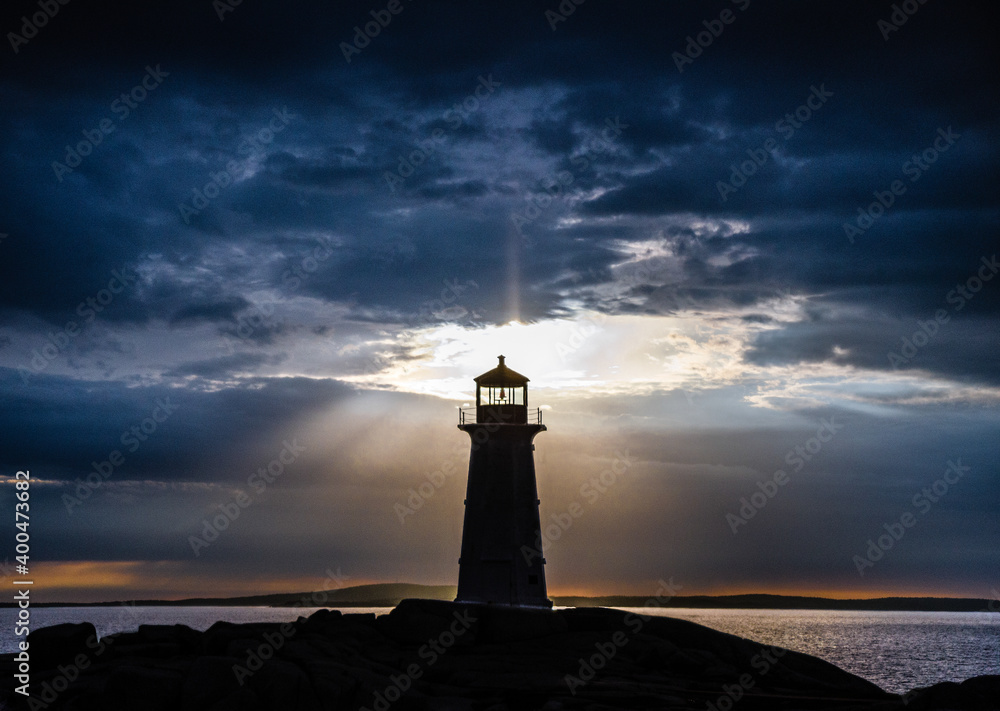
pixel 502 396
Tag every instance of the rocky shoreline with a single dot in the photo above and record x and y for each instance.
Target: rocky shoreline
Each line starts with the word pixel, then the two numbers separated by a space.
pixel 429 654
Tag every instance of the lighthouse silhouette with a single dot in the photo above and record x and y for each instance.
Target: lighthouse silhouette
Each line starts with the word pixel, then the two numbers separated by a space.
pixel 501 504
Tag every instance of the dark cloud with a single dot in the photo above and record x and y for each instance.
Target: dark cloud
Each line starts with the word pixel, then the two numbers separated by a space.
pixel 282 209
pixel 224 310
pixel 225 366
pixel 208 426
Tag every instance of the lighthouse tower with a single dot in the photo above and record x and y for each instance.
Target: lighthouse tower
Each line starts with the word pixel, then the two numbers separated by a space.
pixel 500 563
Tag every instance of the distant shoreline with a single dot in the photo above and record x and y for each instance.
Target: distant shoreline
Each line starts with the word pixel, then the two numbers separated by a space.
pixel 390 594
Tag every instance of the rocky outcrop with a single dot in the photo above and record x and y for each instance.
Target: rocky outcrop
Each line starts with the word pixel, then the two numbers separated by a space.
pixel 438 655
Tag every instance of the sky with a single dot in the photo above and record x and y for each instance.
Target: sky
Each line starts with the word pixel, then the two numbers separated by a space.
pixel 252 255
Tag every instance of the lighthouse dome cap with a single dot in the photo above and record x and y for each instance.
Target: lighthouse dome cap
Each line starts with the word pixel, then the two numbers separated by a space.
pixel 501 375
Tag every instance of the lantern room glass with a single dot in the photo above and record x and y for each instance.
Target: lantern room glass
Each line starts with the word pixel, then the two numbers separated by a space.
pixel 503 395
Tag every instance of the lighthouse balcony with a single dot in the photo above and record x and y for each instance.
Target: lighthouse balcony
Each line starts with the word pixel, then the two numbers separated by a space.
pixel 502 414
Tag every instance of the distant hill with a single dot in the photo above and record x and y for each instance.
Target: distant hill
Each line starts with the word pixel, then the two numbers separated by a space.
pixel 788 602
pixel 376 595
pixel 390 594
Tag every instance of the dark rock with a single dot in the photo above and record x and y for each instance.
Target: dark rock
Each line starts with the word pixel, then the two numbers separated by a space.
pixel 217 638
pixel 985 686
pixel 283 685
pixel 422 620
pixel 325 615
pixel 143 687
pixel 60 644
pixel 242 700
pixel 334 683
pixel 323 622
pixel 172 634
pixel 210 681
pixel 245 647
pixel 142 650
pixel 416 621
pixel 441 655
pixel 503 624
pixel 364 618
pixel 981 693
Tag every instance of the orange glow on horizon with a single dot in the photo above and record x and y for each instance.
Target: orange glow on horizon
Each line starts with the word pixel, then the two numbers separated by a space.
pixel 107 581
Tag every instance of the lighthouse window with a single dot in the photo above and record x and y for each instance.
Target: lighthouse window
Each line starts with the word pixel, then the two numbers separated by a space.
pixel 532 580
pixel 497 395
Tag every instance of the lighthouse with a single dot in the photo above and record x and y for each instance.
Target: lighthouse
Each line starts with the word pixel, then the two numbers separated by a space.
pixel 501 504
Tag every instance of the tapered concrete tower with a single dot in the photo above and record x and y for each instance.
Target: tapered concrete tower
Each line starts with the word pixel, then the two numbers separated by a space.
pixel 500 561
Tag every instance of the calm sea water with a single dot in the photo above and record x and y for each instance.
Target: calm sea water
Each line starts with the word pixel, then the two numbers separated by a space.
pixel 898 651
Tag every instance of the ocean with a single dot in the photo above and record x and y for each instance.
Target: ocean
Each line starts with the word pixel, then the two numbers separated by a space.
pixel 898 651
